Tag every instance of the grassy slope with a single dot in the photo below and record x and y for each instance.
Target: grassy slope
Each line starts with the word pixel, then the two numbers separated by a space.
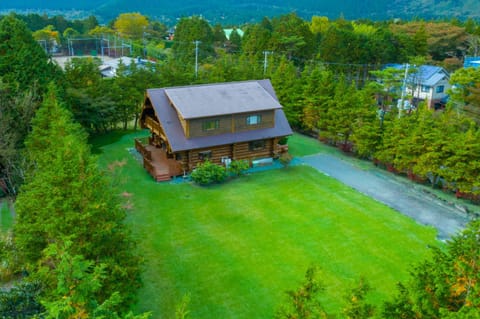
pixel 235 248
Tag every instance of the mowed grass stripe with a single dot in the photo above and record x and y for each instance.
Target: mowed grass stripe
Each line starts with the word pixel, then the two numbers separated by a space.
pixel 235 248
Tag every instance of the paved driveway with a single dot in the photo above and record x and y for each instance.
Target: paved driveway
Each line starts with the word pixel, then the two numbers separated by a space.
pixel 400 195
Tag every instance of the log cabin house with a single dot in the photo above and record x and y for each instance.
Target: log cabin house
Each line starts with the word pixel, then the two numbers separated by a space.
pixel 220 122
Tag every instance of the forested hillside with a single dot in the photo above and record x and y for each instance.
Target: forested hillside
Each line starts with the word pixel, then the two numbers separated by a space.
pixel 229 11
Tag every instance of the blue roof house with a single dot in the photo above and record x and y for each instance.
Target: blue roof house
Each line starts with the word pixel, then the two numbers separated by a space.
pixel 427 83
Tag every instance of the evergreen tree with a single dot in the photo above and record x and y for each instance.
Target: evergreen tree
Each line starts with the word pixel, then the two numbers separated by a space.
pixel 288 84
pixel 234 43
pixel 461 169
pixel 65 197
pixel 447 286
pixel 304 303
pixel 23 62
pixel 188 32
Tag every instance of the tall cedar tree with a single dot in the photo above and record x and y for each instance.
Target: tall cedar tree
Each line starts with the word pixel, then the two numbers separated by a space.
pixel 66 197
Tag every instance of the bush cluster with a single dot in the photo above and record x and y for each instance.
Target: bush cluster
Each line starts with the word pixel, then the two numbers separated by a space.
pixel 208 173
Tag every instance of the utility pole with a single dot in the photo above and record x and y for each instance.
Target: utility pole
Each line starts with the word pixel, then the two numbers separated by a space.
pixel 404 88
pixel 196 57
pixel 265 61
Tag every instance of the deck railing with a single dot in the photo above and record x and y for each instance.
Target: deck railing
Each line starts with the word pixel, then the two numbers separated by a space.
pixel 154 126
pixel 140 147
pixel 149 167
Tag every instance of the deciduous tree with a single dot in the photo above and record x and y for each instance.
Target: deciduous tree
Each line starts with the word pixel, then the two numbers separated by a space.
pixel 131 25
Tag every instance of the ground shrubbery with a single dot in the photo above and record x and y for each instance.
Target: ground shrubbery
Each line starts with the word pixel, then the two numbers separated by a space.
pixel 237 168
pixel 209 173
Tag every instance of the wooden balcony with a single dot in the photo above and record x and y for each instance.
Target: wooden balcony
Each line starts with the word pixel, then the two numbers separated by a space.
pixel 154 127
pixel 156 161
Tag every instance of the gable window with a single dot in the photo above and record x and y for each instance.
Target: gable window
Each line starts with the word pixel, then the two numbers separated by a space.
pixel 254 119
pixel 440 89
pixel 210 125
pixel 256 145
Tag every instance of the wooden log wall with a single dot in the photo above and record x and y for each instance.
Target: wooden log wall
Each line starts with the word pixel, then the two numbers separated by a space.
pixel 240 151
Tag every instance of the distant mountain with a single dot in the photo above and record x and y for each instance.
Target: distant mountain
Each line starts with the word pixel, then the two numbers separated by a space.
pixel 240 11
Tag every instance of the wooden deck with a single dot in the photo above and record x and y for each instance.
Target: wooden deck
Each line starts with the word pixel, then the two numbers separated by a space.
pixel 156 162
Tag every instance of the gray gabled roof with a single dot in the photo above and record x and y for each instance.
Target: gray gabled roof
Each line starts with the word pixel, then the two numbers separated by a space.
pixel 170 123
pixel 221 98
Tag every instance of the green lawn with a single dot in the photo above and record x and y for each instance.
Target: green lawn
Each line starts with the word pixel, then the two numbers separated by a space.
pixel 300 145
pixel 6 218
pixel 236 248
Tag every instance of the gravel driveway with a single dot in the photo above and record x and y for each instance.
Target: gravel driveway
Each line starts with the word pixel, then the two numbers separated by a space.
pixel 400 195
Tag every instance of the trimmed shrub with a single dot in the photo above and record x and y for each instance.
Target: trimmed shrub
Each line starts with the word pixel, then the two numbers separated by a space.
pixel 239 167
pixel 209 173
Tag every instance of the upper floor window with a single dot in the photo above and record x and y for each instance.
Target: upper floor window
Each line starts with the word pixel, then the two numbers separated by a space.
pixel 210 125
pixel 254 119
pixel 440 89
pixel 425 88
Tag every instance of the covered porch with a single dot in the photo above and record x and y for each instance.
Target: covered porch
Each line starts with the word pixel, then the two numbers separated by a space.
pixel 156 161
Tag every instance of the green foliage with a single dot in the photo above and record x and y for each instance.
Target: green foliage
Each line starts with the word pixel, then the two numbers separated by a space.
pixel 16 112
pixel 292 37
pixel 131 25
pixel 98 104
pixel 208 173
pixel 447 286
pixel 304 302
pixel 285 159
pixel 357 306
pixel 189 30
pixel 89 97
pixel 234 44
pixel 65 196
pixel 76 283
pixel 287 83
pixel 237 168
pixel 128 90
pixel 21 301
pixel 23 63
pixel 181 311
pixel 8 257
